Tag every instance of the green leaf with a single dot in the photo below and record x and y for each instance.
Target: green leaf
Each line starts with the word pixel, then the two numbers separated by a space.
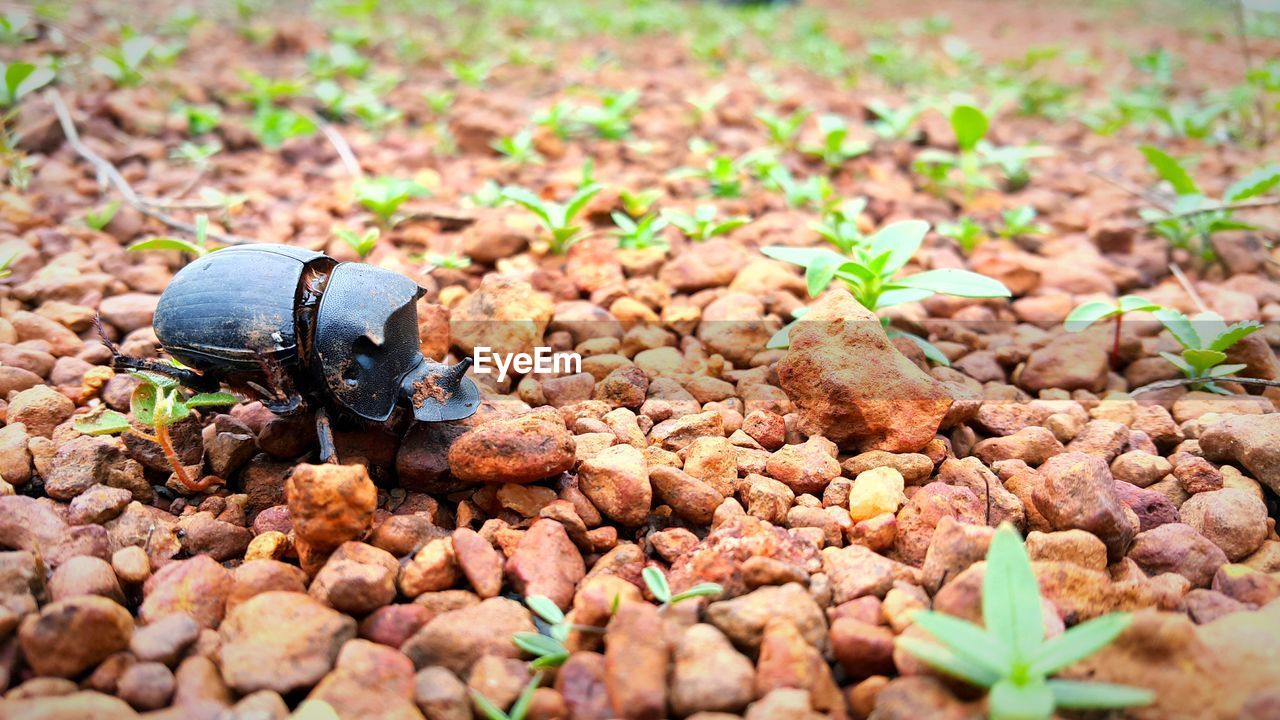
pixel 1219 371
pixel 900 240
pixel 970 643
pixel 491 711
pixel 699 590
pixel 108 422
pixel 1011 701
pixel 553 660
pixel 1234 334
pixel 944 660
pixel 821 271
pixel 1202 360
pixel 970 125
pixel 545 608
pixel 1254 184
pixel 1179 326
pixel 1133 303
pixel 657 584
pixel 1011 595
pixel 950 281
pixel 531 202
pixel 217 399
pixel 154 378
pixel 1170 170
pixel 537 644
pixel 520 707
pixel 1179 363
pixel 799 256
pixel 931 351
pixel 1078 643
pixel 1089 313
pixel 580 200
pixel 167 243
pixel 1073 695
pixel 897 296
pixel 781 340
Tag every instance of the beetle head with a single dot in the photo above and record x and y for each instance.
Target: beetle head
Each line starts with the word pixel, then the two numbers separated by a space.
pixel 439 393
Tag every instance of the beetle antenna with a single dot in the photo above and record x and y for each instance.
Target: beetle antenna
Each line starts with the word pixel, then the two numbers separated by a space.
pixel 102 334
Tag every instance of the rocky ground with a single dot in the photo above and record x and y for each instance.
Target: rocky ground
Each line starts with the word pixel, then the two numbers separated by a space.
pixel 831 489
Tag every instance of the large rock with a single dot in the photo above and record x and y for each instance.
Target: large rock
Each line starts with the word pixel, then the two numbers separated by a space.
pixel 1250 440
pixel 616 481
pixel 635 663
pixel 505 315
pixel 1079 492
pixel 456 639
pixel 329 505
pixel 70 636
pixel 852 386
pixel 546 562
pixel 513 450
pixel 1071 361
pixel 369 681
pixel 709 675
pixel 198 587
pixel 281 641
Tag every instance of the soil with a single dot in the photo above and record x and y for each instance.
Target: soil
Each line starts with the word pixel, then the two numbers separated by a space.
pixel 830 489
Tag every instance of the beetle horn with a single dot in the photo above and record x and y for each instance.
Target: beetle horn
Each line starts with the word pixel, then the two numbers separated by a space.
pixel 438 392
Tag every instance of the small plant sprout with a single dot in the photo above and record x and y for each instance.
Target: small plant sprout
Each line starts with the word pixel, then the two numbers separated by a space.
pixel 451 261
pixel 197 248
pixel 548 649
pixel 976 157
pixel 519 709
pixel 362 243
pixel 783 129
pixel 158 402
pixel 1191 221
pixel 868 273
pixel 704 106
pixel 656 581
pixel 967 232
pixel 839 225
pixel 611 119
pixel 473 74
pixel 837 147
pixel 519 148
pixel 639 202
pixel 123 64
pixel 6 262
pixel 639 234
pixel 1098 310
pixel 1010 655
pixel 704 223
pixel 894 123
pixel 196 154
pixel 725 176
pixel 98 218
pixel 20 79
pixel 200 119
pixel 439 101
pixel 559 220
pixel 383 196
pixel 1205 339
pixel 1020 222
pixel 556 119
pixel 814 191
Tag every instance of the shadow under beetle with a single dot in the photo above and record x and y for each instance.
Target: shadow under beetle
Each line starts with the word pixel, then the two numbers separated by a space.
pixel 301 330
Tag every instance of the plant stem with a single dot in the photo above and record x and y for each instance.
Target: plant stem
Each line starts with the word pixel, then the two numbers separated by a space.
pixel 166 445
pixel 1115 344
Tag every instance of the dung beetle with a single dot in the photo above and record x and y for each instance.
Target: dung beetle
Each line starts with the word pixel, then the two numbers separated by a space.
pixel 300 330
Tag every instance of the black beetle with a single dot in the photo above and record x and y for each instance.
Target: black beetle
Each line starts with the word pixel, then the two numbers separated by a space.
pixel 300 329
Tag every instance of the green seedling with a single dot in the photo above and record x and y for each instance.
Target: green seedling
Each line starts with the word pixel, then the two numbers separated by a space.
pixel 839 225
pixel 474 73
pixel 725 176
pixel 639 234
pixel 1188 120
pixel 895 123
pixel 639 202
pixel 611 119
pixel 1192 220
pixel 439 101
pixel 1020 222
pixel 200 119
pixel 363 103
pixel 548 650
pixel 967 232
pixel 451 261
pixel 274 125
pixel 783 129
pixel 704 106
pixel 519 708
pixel 704 223
pixel 559 220
pixel 197 248
pixel 123 64
pixel 656 581
pixel 1205 339
pixel 6 262
pixel 837 147
pixel 868 272
pixel 1095 311
pixel 97 218
pixel 197 154
pixel 519 148
pixel 335 60
pixel 21 79
pixel 159 402
pixel 969 168
pixel 814 191
pixel 362 243
pixel 383 196
pixel 488 195
pixel 1010 656
pixel 558 119
pixel 16 27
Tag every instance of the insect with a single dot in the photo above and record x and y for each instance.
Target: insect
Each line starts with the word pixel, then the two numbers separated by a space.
pixel 300 330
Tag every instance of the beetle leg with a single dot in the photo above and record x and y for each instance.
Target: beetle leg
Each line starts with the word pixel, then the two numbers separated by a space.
pixel 324 431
